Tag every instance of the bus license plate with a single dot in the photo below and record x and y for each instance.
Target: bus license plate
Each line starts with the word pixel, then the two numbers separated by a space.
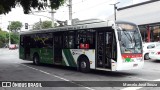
pixel 135 65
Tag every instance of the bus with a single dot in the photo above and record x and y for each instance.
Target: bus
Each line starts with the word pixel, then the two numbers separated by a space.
pixel 88 44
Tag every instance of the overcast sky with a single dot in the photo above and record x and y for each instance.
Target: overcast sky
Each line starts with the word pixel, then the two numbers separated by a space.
pixel 82 9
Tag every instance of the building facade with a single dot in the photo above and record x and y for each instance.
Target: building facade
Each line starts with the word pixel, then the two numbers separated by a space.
pixel 146 15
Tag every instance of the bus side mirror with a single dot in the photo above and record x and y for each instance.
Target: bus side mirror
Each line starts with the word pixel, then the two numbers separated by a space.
pixel 119 36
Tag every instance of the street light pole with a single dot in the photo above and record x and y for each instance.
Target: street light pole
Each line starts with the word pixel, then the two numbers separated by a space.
pixel 115 8
pixel 70 11
pixel 9 34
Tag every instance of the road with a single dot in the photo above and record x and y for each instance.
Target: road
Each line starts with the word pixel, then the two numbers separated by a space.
pixel 14 69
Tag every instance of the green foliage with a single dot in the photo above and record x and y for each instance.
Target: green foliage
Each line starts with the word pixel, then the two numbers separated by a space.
pixel 14 38
pixel 36 26
pixel 7 5
pixel 46 24
pixel 42 25
pixel 4 38
pixel 15 26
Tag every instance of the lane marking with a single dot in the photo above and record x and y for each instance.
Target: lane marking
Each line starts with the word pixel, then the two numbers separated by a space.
pixel 136 88
pixel 58 77
pixel 131 88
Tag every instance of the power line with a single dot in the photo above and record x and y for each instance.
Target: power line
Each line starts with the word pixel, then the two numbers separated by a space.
pixel 92 6
pixel 79 2
pixel 73 4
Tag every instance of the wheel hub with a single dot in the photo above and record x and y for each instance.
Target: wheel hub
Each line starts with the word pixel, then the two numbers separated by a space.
pixel 36 60
pixel 83 64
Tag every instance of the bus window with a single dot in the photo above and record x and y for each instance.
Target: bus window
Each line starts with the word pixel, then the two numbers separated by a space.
pixel 86 39
pixel 21 40
pixel 68 39
pixel 42 40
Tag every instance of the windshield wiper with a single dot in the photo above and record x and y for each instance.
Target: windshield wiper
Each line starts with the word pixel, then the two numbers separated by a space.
pixel 129 38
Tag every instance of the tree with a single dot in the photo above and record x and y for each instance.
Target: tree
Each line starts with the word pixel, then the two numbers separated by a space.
pixel 46 24
pixel 15 26
pixel 3 38
pixel 42 25
pixel 14 38
pixel 7 5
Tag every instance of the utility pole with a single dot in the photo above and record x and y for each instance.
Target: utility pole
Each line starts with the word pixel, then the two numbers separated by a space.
pixel 70 10
pixel 52 12
pixel 40 22
pixel 115 8
pixel 52 16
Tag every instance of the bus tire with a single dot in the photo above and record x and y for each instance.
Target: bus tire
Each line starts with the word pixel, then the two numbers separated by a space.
pixel 36 60
pixel 146 56
pixel 84 65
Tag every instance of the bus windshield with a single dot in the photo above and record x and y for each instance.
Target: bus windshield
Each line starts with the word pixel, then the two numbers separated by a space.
pixel 129 38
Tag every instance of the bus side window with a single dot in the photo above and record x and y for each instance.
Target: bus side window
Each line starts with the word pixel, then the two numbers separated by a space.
pixel 49 40
pixel 69 39
pixel 86 39
pixel 65 41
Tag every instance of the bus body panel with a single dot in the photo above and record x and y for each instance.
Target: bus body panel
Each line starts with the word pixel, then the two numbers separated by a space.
pixel 127 61
pixel 21 53
pixel 45 54
pixel 70 56
pixel 113 65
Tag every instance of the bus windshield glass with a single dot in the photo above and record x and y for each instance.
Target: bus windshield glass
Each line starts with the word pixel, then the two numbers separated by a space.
pixel 129 38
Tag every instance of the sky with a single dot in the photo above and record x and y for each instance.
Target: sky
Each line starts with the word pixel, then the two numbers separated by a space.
pixel 81 9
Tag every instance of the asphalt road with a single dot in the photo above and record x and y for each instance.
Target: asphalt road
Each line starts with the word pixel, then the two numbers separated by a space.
pixel 14 69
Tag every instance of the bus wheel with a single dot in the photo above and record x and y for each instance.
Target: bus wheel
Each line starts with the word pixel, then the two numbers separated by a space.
pixel 146 56
pixel 36 60
pixel 84 65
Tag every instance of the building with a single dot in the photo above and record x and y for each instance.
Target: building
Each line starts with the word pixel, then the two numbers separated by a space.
pixel 146 15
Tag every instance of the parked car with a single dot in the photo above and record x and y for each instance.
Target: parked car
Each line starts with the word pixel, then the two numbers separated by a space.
pixel 147 47
pixel 12 46
pixel 155 53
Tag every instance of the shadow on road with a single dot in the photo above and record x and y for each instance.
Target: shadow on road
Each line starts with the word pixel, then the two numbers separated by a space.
pixel 95 72
pixel 113 73
pixel 156 61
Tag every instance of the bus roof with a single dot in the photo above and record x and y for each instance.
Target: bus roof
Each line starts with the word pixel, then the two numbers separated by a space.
pixel 84 24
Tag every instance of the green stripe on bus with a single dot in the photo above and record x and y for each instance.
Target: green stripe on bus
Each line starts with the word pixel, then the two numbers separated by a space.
pixel 63 63
pixel 69 57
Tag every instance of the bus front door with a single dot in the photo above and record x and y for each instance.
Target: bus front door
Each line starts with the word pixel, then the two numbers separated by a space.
pixel 104 49
pixel 57 48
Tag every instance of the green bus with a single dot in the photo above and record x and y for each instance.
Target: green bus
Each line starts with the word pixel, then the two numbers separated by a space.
pixel 88 44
